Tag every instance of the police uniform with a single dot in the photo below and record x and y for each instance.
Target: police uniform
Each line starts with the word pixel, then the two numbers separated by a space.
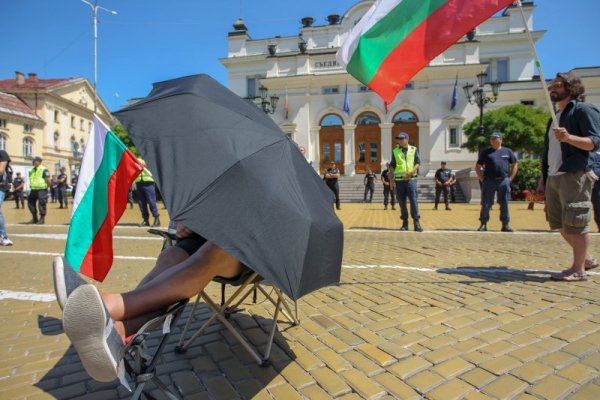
pixel 403 162
pixel 146 194
pixel 38 194
pixel 62 191
pixel 387 190
pixel 18 193
pixel 332 183
pixel 442 176
pixel 369 185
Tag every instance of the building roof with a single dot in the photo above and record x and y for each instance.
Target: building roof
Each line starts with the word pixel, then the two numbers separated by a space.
pixel 32 82
pixel 11 104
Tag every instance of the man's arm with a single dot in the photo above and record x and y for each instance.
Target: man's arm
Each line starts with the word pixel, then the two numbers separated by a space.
pixel 3 165
pixel 581 142
pixel 513 171
pixel 479 171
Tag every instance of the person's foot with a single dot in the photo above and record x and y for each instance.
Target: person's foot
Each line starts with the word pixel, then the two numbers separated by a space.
pixel 92 332
pixel 435 208
pixel 66 280
pixel 32 221
pixel 156 222
pixel 418 227
pixel 404 226
pixel 42 221
pixel 385 207
pixel 448 208
pixel 569 276
pixel 507 228
pixel 393 208
pixel 338 208
pixel 482 228
pixel 590 263
pixel 144 223
pixel 5 242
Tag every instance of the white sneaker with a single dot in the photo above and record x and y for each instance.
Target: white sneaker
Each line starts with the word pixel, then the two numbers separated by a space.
pixel 5 242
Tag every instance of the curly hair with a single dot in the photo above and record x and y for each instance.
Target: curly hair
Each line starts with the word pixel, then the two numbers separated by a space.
pixel 573 85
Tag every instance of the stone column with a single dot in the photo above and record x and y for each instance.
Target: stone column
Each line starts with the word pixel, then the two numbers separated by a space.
pixel 349 164
pixel 386 143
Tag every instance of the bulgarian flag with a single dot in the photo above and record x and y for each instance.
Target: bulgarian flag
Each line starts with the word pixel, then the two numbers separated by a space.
pixel 395 39
pixel 107 172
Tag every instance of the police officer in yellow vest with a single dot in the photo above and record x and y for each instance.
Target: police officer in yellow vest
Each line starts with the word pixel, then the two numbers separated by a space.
pixel 39 181
pixel 146 195
pixel 404 167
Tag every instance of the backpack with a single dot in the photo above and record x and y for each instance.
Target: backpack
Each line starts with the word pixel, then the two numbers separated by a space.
pixel 7 177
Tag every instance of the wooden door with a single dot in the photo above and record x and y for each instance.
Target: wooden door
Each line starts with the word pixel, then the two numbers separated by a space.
pixel 331 143
pixel 367 149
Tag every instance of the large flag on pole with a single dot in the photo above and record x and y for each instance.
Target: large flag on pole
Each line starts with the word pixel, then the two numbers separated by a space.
pixel 107 171
pixel 346 107
pixel 454 95
pixel 395 39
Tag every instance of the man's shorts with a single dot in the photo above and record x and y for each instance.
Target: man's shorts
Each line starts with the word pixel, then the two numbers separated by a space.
pixel 568 202
pixel 191 243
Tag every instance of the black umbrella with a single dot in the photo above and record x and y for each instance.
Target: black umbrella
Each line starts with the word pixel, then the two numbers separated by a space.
pixel 228 172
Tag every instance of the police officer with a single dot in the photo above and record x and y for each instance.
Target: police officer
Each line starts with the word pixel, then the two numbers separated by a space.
pixel 388 188
pixel 369 183
pixel 18 186
pixel 61 181
pixel 443 180
pixel 39 181
pixel 146 194
pixel 404 167
pixel 331 180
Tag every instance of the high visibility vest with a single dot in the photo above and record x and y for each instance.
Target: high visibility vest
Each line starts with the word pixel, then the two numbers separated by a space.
pixel 404 164
pixel 145 176
pixel 36 178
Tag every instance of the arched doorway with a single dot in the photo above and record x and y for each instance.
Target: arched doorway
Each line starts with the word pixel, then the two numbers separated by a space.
pixel 331 142
pixel 406 121
pixel 367 143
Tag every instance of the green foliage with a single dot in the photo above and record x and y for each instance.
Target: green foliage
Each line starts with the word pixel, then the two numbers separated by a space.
pixel 523 128
pixel 528 176
pixel 120 131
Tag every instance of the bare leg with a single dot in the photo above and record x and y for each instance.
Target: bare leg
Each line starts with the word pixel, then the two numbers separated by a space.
pixel 580 244
pixel 178 282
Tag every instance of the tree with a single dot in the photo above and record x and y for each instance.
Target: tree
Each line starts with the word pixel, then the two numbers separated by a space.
pixel 122 134
pixel 523 128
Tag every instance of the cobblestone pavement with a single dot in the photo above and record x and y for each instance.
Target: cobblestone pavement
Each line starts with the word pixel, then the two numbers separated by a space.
pixel 445 314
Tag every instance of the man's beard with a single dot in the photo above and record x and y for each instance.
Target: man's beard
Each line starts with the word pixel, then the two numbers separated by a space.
pixel 556 97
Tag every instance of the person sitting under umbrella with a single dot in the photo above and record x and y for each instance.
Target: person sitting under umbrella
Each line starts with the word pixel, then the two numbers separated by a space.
pixel 97 324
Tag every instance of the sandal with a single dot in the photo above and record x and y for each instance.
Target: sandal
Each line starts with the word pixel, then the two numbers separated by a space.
pixel 569 277
pixel 590 263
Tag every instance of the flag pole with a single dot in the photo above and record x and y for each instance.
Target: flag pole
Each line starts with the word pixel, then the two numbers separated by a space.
pixel 538 64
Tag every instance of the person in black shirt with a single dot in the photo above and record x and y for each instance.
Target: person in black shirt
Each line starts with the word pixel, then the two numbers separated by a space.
pixel 496 167
pixel 18 186
pixel 388 188
pixel 443 181
pixel 331 180
pixel 61 180
pixel 369 183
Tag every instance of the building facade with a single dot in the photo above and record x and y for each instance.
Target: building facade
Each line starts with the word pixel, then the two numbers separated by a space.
pixel 50 118
pixel 302 71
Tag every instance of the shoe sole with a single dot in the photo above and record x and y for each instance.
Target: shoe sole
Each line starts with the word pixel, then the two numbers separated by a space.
pixel 85 323
pixel 62 278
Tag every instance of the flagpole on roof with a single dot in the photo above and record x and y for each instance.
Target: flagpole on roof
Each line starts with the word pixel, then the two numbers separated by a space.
pixel 538 64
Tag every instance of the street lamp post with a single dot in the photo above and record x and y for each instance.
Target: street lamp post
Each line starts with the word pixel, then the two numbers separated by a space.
pixel 95 7
pixel 265 102
pixel 478 96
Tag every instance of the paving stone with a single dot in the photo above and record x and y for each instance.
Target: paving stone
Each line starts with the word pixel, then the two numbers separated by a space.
pixel 505 387
pixel 478 377
pixel 452 389
pixel 347 337
pixel 557 360
pixel 333 360
pixel 409 367
pixel 362 363
pixel 578 373
pixel 285 391
pixel 453 367
pixel 363 386
pixel 380 357
pixel 425 381
pixel 296 376
pixel 501 365
pixel 587 392
pixel 396 387
pixel 552 387
pixel 532 372
pixel 440 355
pixel 330 381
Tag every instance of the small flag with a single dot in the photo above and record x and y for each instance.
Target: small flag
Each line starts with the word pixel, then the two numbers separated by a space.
pixel 454 94
pixel 286 105
pixel 395 39
pixel 107 171
pixel 346 102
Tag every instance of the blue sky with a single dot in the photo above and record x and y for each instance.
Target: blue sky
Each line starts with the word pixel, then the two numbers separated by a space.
pixel 153 40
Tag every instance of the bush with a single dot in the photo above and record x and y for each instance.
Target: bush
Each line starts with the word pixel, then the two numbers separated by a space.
pixel 527 179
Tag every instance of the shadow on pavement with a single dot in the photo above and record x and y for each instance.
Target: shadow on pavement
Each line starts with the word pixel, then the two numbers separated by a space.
pixel 498 274
pixel 215 364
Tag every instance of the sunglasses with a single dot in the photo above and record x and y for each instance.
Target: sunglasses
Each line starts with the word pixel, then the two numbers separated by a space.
pixel 556 85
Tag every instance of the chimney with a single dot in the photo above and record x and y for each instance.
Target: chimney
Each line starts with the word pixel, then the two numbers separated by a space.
pixel 32 77
pixel 19 77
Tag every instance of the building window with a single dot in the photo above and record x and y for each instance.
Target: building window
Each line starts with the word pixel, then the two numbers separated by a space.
pixel 331 120
pixel 28 128
pixel 56 115
pixel 27 147
pixel 2 142
pixel 453 137
pixel 251 87
pixel 363 88
pixel 56 139
pixel 528 102
pixel 405 117
pixel 73 122
pixel 368 118
pixel 81 124
pixel 497 70
pixel 2 123
pixel 330 90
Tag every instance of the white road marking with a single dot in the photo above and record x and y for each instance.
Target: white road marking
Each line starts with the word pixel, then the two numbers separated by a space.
pixel 63 236
pixel 40 253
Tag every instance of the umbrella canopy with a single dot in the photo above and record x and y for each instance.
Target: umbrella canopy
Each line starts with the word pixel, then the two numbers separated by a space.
pixel 227 171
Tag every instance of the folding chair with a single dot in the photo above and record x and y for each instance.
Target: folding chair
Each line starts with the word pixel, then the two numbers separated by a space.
pixel 139 364
pixel 248 282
